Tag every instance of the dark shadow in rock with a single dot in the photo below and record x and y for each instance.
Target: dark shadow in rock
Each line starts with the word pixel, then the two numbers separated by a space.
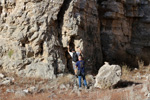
pixel 1 8
pixel 124 84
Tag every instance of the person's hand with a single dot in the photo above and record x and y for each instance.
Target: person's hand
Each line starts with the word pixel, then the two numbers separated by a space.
pixel 79 49
pixel 68 46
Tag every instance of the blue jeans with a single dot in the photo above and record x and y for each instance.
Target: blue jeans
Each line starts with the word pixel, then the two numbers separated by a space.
pixel 85 84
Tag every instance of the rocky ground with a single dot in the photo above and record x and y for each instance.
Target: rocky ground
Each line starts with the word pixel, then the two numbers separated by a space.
pixel 134 85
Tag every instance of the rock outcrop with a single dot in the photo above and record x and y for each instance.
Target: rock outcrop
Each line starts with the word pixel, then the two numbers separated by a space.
pixel 35 33
pixel 108 75
pixel 29 38
pixel 125 30
pixel 80 28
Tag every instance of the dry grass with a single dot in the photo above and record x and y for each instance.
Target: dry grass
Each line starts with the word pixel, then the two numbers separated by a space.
pixel 130 93
pixel 89 78
pixel 140 64
pixel 125 70
pixel 63 80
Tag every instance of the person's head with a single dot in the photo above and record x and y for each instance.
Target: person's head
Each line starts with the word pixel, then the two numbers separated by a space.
pixel 80 57
pixel 73 50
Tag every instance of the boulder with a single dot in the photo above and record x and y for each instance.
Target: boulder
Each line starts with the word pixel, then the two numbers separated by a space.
pixel 7 81
pixel 38 70
pixel 108 75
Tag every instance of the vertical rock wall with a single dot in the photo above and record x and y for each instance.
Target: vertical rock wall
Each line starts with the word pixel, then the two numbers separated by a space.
pixel 80 28
pixel 125 31
pixel 29 38
pixel 34 34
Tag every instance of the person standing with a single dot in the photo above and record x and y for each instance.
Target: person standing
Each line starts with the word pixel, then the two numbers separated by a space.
pixel 79 52
pixel 81 71
pixel 74 57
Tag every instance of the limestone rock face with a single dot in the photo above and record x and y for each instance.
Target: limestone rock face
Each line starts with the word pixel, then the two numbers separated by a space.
pixel 108 75
pixel 125 30
pixel 35 33
pixel 29 38
pixel 80 28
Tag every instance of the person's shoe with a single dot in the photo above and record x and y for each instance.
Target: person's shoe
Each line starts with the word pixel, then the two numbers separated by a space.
pixel 86 87
pixel 80 88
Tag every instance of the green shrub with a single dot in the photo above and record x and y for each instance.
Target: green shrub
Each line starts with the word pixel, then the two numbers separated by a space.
pixel 10 53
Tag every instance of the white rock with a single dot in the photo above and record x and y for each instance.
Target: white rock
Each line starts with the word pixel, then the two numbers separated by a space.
pixel 62 86
pixel 148 95
pixel 108 75
pixel 6 82
pixel 26 91
pixel 32 89
pixel 1 75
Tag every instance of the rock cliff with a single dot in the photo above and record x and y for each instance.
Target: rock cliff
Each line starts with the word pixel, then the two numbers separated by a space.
pixel 125 33
pixel 34 35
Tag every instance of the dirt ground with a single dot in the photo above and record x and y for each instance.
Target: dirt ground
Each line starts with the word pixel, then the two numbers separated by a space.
pixel 129 88
pixel 97 94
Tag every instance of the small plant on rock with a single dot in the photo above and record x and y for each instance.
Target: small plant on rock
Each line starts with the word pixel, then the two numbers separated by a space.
pixel 10 53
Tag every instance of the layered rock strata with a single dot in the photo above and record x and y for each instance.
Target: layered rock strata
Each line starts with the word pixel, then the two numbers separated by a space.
pixel 125 31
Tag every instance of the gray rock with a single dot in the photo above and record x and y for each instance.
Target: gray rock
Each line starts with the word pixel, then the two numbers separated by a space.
pixel 32 89
pixel 20 94
pixel 6 82
pixel 108 75
pixel 39 70
pixel 29 29
pixel 62 86
pixel 148 95
pixel 68 86
pixel 10 90
pixel 115 31
pixel 52 95
pixel 147 99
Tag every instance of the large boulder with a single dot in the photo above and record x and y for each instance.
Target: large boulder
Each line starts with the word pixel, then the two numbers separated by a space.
pixel 108 75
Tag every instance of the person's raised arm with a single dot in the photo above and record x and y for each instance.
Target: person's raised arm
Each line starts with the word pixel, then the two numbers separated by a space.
pixel 68 48
pixel 80 52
